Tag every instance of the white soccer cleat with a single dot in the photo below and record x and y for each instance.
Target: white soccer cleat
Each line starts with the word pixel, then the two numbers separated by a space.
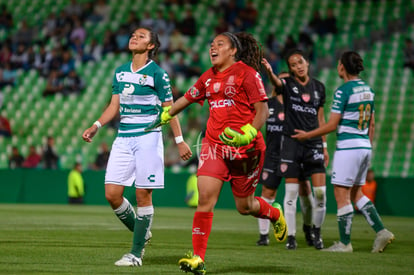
pixel 129 260
pixel 339 247
pixel 384 237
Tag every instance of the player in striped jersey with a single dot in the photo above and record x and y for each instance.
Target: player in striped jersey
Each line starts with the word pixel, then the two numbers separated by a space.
pixel 139 89
pixel 352 115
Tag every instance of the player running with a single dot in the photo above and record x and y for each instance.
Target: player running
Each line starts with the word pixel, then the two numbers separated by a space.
pixel 233 149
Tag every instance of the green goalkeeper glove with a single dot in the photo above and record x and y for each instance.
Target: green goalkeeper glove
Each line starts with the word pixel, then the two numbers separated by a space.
pixel 233 138
pixel 163 118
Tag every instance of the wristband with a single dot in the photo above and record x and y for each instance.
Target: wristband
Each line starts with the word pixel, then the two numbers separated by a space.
pixel 98 124
pixel 179 139
pixel 325 145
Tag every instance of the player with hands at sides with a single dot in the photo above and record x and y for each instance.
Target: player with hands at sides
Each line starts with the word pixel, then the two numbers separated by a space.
pixel 139 88
pixel 352 116
pixel 303 99
pixel 233 148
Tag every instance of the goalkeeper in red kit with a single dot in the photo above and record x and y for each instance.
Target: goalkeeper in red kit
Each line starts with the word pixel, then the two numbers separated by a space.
pixel 233 148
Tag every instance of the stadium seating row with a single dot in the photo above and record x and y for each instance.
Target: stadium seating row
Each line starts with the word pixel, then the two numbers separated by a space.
pixel 34 117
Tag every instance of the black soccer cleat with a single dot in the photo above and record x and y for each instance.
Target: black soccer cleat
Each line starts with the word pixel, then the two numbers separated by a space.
pixel 309 237
pixel 291 243
pixel 264 240
pixel 317 242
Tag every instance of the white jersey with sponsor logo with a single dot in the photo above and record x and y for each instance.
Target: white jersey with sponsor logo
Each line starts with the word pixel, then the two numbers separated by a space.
pixel 140 92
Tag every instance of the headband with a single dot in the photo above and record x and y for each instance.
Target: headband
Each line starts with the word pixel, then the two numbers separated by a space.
pixel 234 40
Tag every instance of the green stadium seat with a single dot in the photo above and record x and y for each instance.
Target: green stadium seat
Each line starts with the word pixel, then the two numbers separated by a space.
pixel 383 62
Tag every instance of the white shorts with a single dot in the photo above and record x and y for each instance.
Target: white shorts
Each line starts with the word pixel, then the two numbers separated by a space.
pixel 350 167
pixel 139 159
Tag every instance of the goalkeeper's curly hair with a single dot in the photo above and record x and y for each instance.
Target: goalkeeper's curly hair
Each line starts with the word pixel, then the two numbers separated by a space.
pixel 249 50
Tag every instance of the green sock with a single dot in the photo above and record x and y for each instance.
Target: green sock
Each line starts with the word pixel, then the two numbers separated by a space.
pixel 142 226
pixel 371 215
pixel 126 214
pixel 344 218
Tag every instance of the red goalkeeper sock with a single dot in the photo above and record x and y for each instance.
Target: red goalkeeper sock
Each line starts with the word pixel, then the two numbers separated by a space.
pixel 201 231
pixel 267 211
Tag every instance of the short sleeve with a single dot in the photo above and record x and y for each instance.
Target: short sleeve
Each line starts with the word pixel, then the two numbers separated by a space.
pixel 253 85
pixel 115 83
pixel 197 92
pixel 323 96
pixel 338 103
pixel 163 86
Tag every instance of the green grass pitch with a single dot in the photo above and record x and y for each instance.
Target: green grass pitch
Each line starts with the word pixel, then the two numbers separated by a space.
pixel 63 239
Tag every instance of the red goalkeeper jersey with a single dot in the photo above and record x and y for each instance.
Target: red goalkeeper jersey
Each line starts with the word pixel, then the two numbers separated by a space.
pixel 231 95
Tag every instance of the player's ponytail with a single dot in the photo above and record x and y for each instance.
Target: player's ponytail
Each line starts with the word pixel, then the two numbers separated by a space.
pixel 249 50
pixel 352 62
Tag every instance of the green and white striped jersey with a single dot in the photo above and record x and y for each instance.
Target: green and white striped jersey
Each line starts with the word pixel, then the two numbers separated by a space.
pixel 139 93
pixel 354 100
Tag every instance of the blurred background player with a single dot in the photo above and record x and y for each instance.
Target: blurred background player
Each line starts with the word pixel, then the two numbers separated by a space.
pixel 233 148
pixel 270 179
pixel 139 87
pixel 76 188
pixel 370 187
pixel 50 157
pixel 352 115
pixel 303 99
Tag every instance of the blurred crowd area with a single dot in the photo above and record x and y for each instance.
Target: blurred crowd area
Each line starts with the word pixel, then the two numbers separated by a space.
pixel 63 42
pixel 65 37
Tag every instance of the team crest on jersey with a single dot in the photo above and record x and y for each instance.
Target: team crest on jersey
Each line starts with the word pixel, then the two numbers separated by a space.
pixel 142 80
pixel 216 87
pixel 281 116
pixel 306 97
pixel 230 91
pixel 283 167
pixel 230 81
pixel 194 92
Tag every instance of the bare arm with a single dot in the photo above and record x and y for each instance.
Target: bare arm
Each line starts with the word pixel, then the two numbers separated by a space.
pixel 372 128
pixel 321 119
pixel 183 148
pixel 262 113
pixel 273 78
pixel 110 112
pixel 178 106
pixel 328 127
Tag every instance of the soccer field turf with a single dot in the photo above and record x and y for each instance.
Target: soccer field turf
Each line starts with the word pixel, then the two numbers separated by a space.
pixel 63 239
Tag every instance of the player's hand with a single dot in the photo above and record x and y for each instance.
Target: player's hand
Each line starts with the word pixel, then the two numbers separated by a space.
pixel 326 156
pixel 300 135
pixel 184 150
pixel 89 133
pixel 233 138
pixel 267 65
pixel 163 118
